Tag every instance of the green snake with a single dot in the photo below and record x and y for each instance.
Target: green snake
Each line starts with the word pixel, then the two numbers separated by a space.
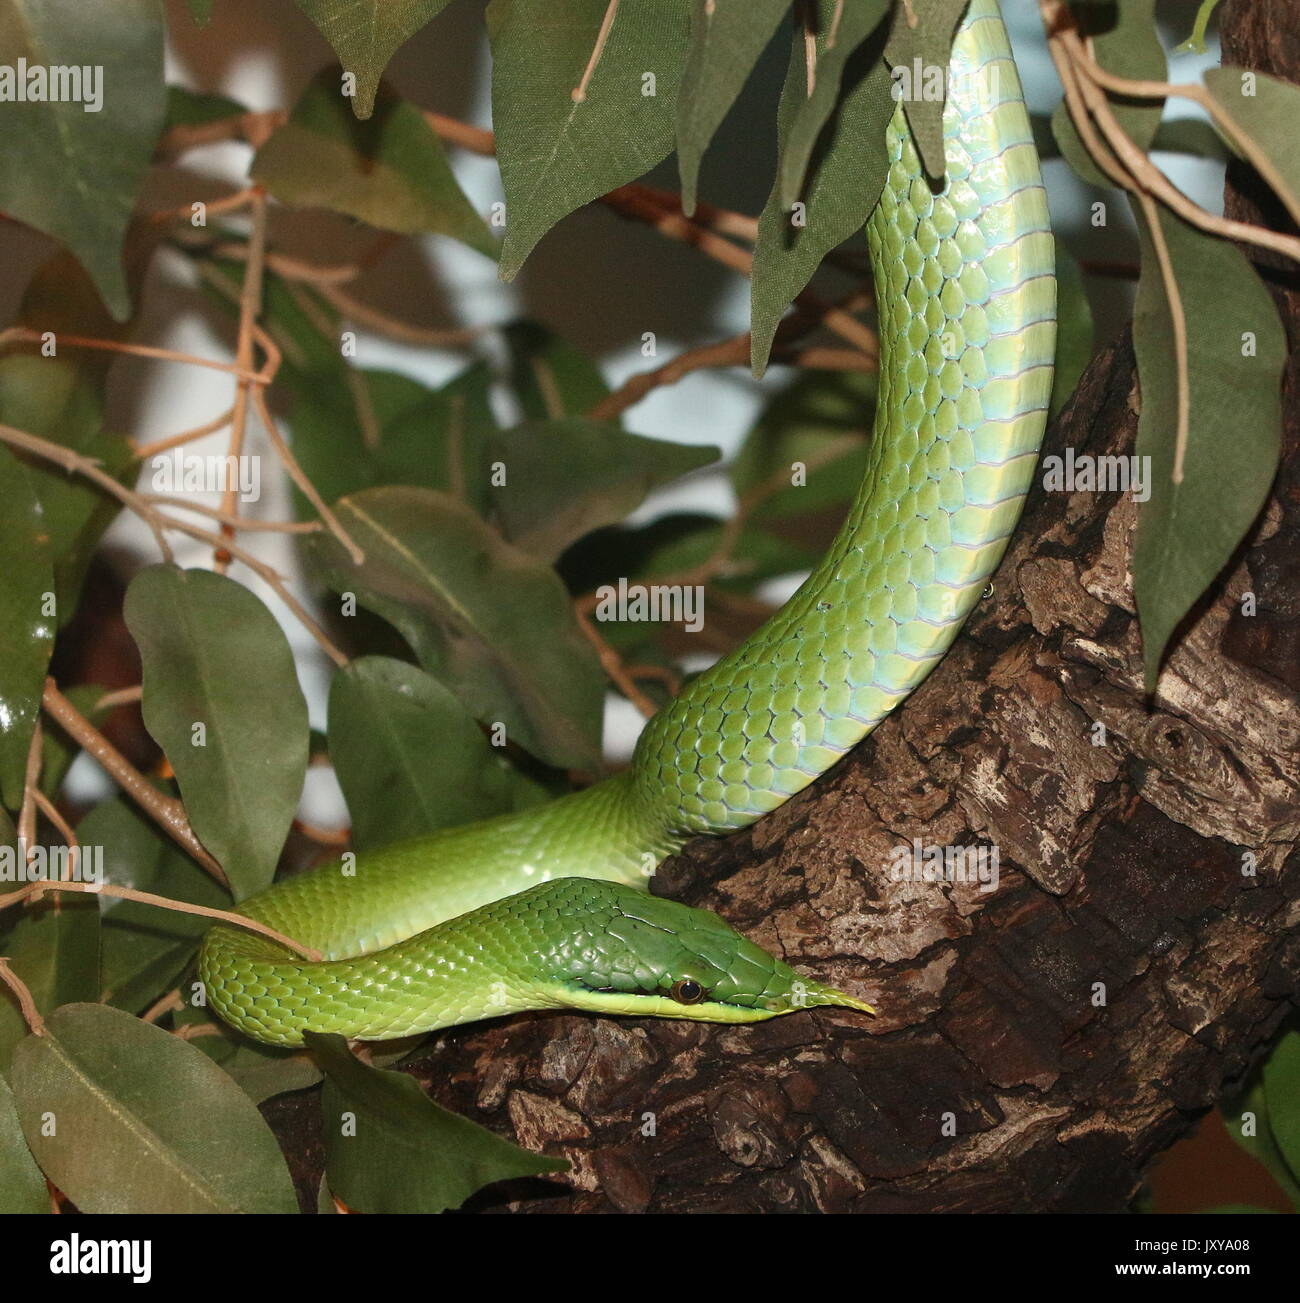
pixel 548 908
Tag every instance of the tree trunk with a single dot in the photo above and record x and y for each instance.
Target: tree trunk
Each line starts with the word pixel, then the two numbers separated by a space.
pixel 1039 1043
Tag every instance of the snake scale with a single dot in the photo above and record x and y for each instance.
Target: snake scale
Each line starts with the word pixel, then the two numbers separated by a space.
pixel 547 908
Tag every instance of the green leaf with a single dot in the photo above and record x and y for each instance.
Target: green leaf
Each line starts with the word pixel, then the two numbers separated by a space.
pixel 142 1121
pixel 1074 329
pixel 550 377
pixel 410 758
pixel 436 439
pixel 1129 48
pixel 807 453
pixel 1267 111
pixel 391 1149
pixel 144 948
pixel 55 399
pixel 261 1071
pixel 928 43
pixel 213 655
pixel 839 31
pixel 190 108
pixel 565 478
pixel 54 947
pixel 848 173
pixel 755 555
pixel 559 145
pixel 26 593
pixel 1236 351
pixel 727 36
pixel 1262 1146
pixel 200 11
pixel 1281 1080
pixel 22 1185
pixel 365 34
pixel 67 171
pixel 491 623
pixel 390 171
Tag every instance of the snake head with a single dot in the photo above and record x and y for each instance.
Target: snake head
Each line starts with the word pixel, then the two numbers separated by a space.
pixel 626 952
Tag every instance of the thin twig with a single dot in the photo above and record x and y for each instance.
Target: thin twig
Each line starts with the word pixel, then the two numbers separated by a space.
pixel 250 308
pixel 31 1014
pixel 31 779
pixel 613 666
pixel 147 450
pixel 308 489
pixel 24 335
pixel 34 890
pixel 168 813
pixel 51 812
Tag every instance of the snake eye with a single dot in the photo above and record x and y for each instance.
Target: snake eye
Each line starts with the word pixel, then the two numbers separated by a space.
pixel 686 990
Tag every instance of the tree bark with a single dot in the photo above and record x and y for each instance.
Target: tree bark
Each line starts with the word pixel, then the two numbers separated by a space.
pixel 1039 1043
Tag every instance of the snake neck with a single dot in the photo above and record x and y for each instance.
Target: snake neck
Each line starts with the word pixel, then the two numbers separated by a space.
pixel 967 294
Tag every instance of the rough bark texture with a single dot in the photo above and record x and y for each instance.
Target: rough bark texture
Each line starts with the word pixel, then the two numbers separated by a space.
pixel 1038 1043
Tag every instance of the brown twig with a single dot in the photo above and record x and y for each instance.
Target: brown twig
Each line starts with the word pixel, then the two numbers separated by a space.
pixel 612 663
pixel 34 890
pixel 167 812
pixel 250 308
pixel 31 1014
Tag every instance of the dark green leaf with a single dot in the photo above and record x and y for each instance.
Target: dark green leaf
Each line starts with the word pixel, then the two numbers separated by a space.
pixel 727 36
pixel 560 144
pixel 437 439
pixel 261 1071
pixel 808 451
pixel 1125 42
pixel 565 478
pixel 550 377
pixel 54 947
pixel 190 108
pixel 410 757
pixel 1074 331
pixel 71 172
pixel 1267 110
pixel 1247 1122
pixel 27 616
pixel 55 399
pixel 144 948
pixel 491 623
pixel 143 1122
pixel 847 175
pixel 1236 352
pixel 22 1186
pixel 389 1148
pixel 1281 1079
pixel 926 45
pixel 390 171
pixel 214 656
pixel 365 34
pixel 839 31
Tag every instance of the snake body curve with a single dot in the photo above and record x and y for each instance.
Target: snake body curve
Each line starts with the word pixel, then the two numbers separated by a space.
pixel 547 908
